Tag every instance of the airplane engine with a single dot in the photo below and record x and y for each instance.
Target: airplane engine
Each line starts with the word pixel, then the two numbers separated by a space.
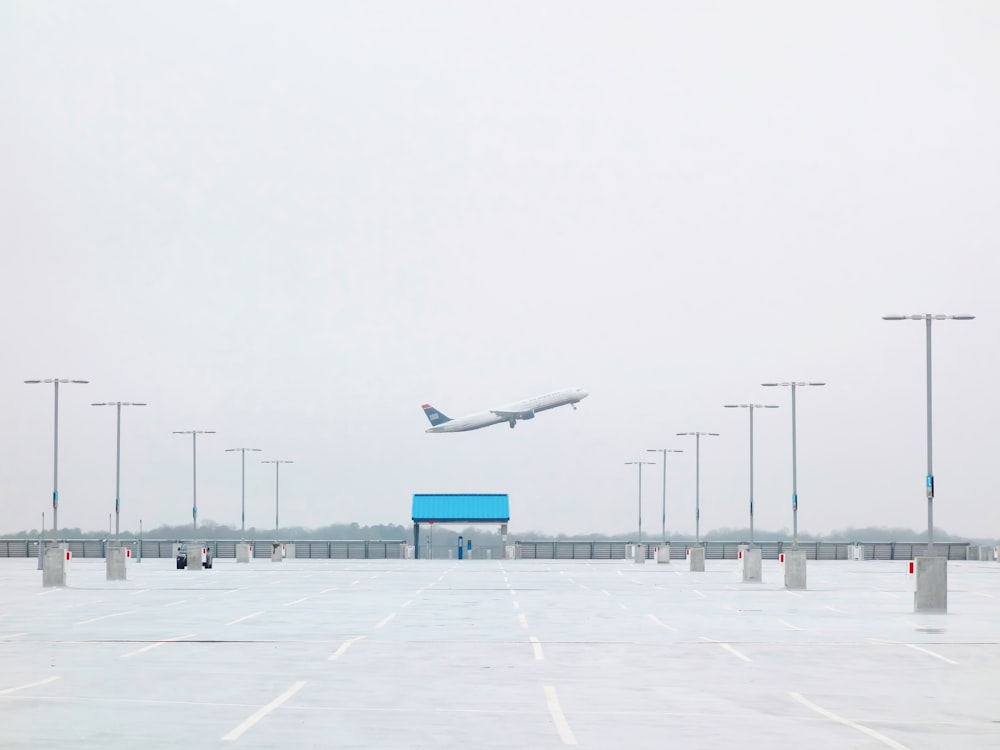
pixel 527 415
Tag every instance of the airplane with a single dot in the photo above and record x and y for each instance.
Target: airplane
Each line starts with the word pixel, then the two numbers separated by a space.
pixel 525 409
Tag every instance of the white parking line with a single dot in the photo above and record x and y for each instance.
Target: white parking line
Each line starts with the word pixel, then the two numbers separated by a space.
pixel 174 604
pixel 523 620
pixel 847 722
pixel 151 646
pixel 297 601
pixel 261 712
pixel 327 591
pixel 385 621
pixel 406 604
pixel 657 621
pixel 516 604
pixel 537 647
pixel 245 617
pixel 788 624
pixel 702 594
pixel 140 591
pixel 927 651
pixel 728 648
pixel 605 592
pixel 10 636
pixel 558 718
pixel 838 611
pixel 622 605
pixel 344 646
pixel 37 683
pixel 105 617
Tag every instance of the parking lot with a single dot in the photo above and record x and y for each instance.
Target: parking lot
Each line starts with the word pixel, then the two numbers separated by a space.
pixel 502 653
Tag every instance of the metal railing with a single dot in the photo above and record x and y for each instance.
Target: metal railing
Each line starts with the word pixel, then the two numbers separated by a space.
pixel 726 550
pixel 334 549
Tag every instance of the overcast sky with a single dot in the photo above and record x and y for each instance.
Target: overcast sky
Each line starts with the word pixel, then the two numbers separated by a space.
pixel 294 223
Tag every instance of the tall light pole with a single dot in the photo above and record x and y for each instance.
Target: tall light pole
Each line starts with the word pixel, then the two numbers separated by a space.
pixel 751 408
pixel 243 487
pixel 664 451
pixel 118 455
pixel 697 480
pixel 795 481
pixel 277 466
pixel 639 464
pixel 929 318
pixel 194 464
pixel 55 450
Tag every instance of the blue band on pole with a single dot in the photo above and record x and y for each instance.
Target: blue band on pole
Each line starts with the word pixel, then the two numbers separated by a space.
pixel 930 485
pixel 795 502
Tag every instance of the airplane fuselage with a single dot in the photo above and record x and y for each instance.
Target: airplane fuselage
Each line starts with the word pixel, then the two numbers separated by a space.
pixel 511 413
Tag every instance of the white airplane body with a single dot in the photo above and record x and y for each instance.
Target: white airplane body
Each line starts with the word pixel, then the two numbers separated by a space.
pixel 511 413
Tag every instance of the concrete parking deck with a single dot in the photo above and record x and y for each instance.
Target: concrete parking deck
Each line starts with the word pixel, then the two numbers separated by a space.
pixel 526 653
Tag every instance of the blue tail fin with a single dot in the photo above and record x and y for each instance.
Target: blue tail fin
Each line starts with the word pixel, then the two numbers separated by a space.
pixel 435 416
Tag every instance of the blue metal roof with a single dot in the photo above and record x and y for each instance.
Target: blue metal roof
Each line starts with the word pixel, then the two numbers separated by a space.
pixel 470 508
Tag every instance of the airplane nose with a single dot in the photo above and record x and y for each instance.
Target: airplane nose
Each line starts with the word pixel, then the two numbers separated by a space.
pixel 581 393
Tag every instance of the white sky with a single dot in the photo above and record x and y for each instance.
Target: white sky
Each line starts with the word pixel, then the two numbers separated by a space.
pixel 294 223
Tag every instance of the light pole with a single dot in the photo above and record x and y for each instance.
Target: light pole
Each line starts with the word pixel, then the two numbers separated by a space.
pixel 55 450
pixel 750 408
pixel 243 487
pixel 277 466
pixel 664 451
pixel 194 464
pixel 118 455
pixel 930 318
pixel 795 485
pixel 697 480
pixel 639 464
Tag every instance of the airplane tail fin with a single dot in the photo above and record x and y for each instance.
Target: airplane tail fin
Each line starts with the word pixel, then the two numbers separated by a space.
pixel 435 416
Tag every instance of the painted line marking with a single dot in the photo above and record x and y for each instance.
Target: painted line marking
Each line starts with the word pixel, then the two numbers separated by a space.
pixel 537 648
pixel 342 649
pixel 523 620
pixel 385 621
pixel 327 591
pixel 558 717
pixel 657 621
pixel 245 617
pixel 140 591
pixel 297 601
pixel 927 651
pixel 105 617
pixel 622 605
pixel 9 636
pixel 355 583
pixel 794 593
pixel 788 624
pixel 847 722
pixel 513 593
pixel 702 594
pixel 571 580
pixel 605 592
pixel 151 646
pixel 50 591
pixel 418 592
pixel 728 648
pixel 261 712
pixel 37 683
pixel 838 611
pixel 406 604
pixel 174 604
pixel 517 605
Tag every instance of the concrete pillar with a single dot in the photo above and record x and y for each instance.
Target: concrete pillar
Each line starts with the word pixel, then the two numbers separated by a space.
pixel 194 559
pixel 696 559
pixel 276 555
pixel 663 553
pixel 931 594
pixel 114 563
pixel 640 554
pixel 751 565
pixel 290 551
pixel 54 567
pixel 242 552
pixel 795 569
pixel 856 552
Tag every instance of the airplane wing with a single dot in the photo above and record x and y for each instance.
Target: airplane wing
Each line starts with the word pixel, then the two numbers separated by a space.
pixel 525 414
